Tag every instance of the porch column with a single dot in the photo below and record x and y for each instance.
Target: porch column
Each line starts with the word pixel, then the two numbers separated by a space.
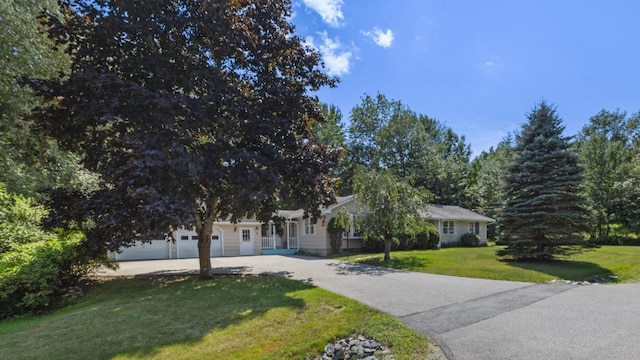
pixel 272 234
pixel 287 224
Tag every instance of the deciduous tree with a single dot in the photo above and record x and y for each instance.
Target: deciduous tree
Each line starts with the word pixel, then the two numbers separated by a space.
pixel 191 111
pixel 605 146
pixel 390 207
pixel 29 162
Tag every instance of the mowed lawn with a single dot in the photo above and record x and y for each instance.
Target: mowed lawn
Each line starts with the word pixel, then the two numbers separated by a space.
pixel 620 261
pixel 186 318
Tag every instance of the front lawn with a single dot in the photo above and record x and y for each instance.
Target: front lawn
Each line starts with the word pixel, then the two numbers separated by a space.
pixel 185 318
pixel 621 261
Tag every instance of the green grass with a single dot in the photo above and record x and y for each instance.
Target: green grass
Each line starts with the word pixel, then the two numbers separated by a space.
pixel 185 318
pixel 621 261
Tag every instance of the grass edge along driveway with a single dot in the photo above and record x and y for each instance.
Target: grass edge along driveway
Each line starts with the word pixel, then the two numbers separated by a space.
pixel 481 262
pixel 230 317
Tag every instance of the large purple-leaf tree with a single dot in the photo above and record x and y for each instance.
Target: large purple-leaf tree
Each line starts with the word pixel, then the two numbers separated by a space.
pixel 190 111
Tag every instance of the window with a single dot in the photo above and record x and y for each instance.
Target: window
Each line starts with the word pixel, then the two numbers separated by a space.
pixel 194 237
pixel 354 233
pixel 309 228
pixel 448 228
pixel 474 227
pixel 246 235
pixel 184 237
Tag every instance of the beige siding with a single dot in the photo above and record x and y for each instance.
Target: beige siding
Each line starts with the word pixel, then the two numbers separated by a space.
pixel 318 243
pixel 461 227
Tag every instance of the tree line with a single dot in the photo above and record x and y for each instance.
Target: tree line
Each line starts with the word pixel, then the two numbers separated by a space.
pixel 596 170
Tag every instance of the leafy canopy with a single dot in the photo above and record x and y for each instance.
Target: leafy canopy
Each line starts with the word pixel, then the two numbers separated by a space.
pixel 390 207
pixel 191 111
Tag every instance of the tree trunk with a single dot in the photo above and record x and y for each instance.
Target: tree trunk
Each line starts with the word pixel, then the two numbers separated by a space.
pixel 204 251
pixel 387 249
pixel 204 228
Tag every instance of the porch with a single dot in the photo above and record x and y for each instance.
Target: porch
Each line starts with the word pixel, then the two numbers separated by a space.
pixel 274 242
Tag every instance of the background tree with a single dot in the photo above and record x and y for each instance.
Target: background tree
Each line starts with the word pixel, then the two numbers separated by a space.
pixel 488 178
pixel 390 207
pixel 605 146
pixel 545 213
pixel 29 162
pixel 190 111
pixel 385 134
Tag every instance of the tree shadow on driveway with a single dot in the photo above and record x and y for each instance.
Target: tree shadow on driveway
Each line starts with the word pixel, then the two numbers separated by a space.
pixel 348 268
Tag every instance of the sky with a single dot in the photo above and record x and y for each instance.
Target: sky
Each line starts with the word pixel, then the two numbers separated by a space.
pixel 479 66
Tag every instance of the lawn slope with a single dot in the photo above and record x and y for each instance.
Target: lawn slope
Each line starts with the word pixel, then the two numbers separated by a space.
pixel 185 318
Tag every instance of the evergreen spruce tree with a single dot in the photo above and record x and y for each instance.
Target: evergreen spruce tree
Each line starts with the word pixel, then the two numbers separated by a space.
pixel 545 215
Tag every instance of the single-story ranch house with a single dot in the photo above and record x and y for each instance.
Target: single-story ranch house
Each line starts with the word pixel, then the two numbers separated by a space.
pixel 294 232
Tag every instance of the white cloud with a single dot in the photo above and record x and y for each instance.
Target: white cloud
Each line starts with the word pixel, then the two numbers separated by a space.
pixel 382 38
pixel 336 62
pixel 329 10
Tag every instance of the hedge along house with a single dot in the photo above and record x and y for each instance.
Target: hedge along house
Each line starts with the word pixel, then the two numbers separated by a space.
pixel 292 232
pixel 453 221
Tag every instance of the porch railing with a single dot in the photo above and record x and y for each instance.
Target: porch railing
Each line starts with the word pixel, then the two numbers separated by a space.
pixel 268 242
pixel 272 242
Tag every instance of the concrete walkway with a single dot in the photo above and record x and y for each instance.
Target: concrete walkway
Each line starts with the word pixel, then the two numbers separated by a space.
pixel 470 318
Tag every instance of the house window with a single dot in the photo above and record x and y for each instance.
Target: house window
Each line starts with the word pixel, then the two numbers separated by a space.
pixel 194 237
pixel 246 235
pixel 309 228
pixel 354 233
pixel 448 228
pixel 184 237
pixel 474 227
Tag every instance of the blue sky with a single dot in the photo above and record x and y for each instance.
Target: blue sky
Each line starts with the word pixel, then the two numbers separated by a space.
pixel 479 66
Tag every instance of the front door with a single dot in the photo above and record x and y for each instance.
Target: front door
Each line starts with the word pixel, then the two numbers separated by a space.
pixel 246 241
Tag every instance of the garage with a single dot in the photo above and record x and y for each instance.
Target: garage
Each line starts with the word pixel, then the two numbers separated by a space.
pixel 187 243
pixel 155 249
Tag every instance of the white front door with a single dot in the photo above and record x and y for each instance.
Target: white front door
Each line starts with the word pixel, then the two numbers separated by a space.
pixel 216 242
pixel 246 241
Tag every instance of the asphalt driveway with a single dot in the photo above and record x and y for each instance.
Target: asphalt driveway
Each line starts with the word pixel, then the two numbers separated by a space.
pixel 470 318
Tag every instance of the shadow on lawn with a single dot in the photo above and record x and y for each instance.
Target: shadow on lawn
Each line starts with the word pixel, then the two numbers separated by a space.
pixel 564 269
pixel 139 317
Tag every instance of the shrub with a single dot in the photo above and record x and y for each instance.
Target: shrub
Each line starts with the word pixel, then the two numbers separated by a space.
pixel 469 240
pixel 34 276
pixel 428 237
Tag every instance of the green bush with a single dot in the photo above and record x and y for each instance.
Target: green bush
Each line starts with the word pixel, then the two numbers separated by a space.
pixel 19 219
pixel 35 276
pixel 469 240
pixel 428 237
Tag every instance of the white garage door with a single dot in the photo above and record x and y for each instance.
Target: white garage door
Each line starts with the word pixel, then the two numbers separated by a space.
pixel 188 243
pixel 156 249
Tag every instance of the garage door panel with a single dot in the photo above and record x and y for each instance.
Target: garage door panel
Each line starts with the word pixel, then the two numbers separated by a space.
pixel 155 249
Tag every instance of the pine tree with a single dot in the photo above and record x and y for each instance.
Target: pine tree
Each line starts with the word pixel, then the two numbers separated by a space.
pixel 545 215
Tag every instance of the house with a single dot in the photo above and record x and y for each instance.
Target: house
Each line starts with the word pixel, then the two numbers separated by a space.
pixel 454 221
pixel 293 233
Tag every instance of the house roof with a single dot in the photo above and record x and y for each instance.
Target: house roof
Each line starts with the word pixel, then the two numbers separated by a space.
pixel 450 212
pixel 437 212
pixel 292 214
pixel 340 200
